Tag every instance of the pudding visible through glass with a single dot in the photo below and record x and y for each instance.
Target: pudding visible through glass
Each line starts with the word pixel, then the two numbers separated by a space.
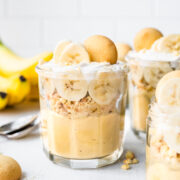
pixel 90 128
pixel 146 69
pixel 163 146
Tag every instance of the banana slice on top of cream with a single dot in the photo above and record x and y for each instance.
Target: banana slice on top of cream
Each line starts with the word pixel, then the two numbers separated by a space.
pixel 72 53
pixel 168 89
pixel 168 44
pixel 104 88
pixel 59 49
pixel 155 45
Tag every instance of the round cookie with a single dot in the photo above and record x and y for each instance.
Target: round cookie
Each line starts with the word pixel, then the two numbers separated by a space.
pixel 101 49
pixel 145 38
pixel 122 49
pixel 9 168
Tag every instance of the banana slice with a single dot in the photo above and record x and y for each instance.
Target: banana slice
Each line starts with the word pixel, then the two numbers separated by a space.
pixel 72 89
pixel 172 138
pixel 153 74
pixel 170 44
pixel 155 45
pixel 73 54
pixel 104 88
pixel 137 73
pixel 59 49
pixel 168 89
pixel 47 86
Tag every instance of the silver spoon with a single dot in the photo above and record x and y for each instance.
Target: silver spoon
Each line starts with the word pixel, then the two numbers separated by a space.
pixel 18 124
pixel 24 131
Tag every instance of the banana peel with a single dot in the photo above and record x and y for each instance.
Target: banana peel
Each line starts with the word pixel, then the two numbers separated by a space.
pixel 17 88
pixel 3 100
pixel 10 67
pixel 34 93
pixel 6 52
pixel 11 64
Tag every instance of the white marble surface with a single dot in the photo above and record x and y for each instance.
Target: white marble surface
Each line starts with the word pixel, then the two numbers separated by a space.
pixel 36 166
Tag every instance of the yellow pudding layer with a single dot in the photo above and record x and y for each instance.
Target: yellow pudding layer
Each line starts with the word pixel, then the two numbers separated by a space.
pixel 140 110
pixel 160 171
pixel 159 168
pixel 139 100
pixel 162 162
pixel 84 137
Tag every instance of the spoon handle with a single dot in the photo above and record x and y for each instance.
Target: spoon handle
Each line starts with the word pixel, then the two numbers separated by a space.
pixel 23 132
pixel 18 125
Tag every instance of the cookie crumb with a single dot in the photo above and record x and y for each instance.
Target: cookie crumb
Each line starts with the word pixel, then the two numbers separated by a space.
pixel 127 161
pixel 135 161
pixel 130 155
pixel 125 167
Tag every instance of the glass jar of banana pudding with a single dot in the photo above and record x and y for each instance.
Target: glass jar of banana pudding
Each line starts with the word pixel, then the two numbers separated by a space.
pixel 82 109
pixel 146 69
pixel 163 130
pixel 163 144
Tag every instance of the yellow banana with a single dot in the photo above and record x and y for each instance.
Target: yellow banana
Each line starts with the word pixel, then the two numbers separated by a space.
pixel 3 100
pixel 11 64
pixel 5 52
pixel 17 88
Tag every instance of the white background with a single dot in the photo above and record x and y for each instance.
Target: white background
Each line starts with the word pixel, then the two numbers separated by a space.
pixel 30 26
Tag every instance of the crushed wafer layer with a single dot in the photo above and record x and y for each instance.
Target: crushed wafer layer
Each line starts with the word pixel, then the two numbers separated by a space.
pixel 161 150
pixel 85 107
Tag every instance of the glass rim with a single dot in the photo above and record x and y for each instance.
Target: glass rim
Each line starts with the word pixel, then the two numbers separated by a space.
pixel 42 71
pixel 134 55
pixel 131 59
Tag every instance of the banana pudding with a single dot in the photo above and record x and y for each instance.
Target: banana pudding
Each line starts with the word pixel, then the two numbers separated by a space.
pixel 147 67
pixel 163 138
pixel 82 105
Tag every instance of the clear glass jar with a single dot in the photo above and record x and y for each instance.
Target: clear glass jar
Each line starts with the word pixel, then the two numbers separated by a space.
pixel 83 133
pixel 163 143
pixel 143 78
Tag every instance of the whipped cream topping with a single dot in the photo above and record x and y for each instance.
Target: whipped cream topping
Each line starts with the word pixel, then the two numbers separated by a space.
pixel 163 115
pixel 167 120
pixel 89 70
pixel 150 55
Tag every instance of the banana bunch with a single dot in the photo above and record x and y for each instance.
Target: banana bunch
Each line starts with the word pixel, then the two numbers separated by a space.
pixel 3 99
pixel 13 90
pixel 12 64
